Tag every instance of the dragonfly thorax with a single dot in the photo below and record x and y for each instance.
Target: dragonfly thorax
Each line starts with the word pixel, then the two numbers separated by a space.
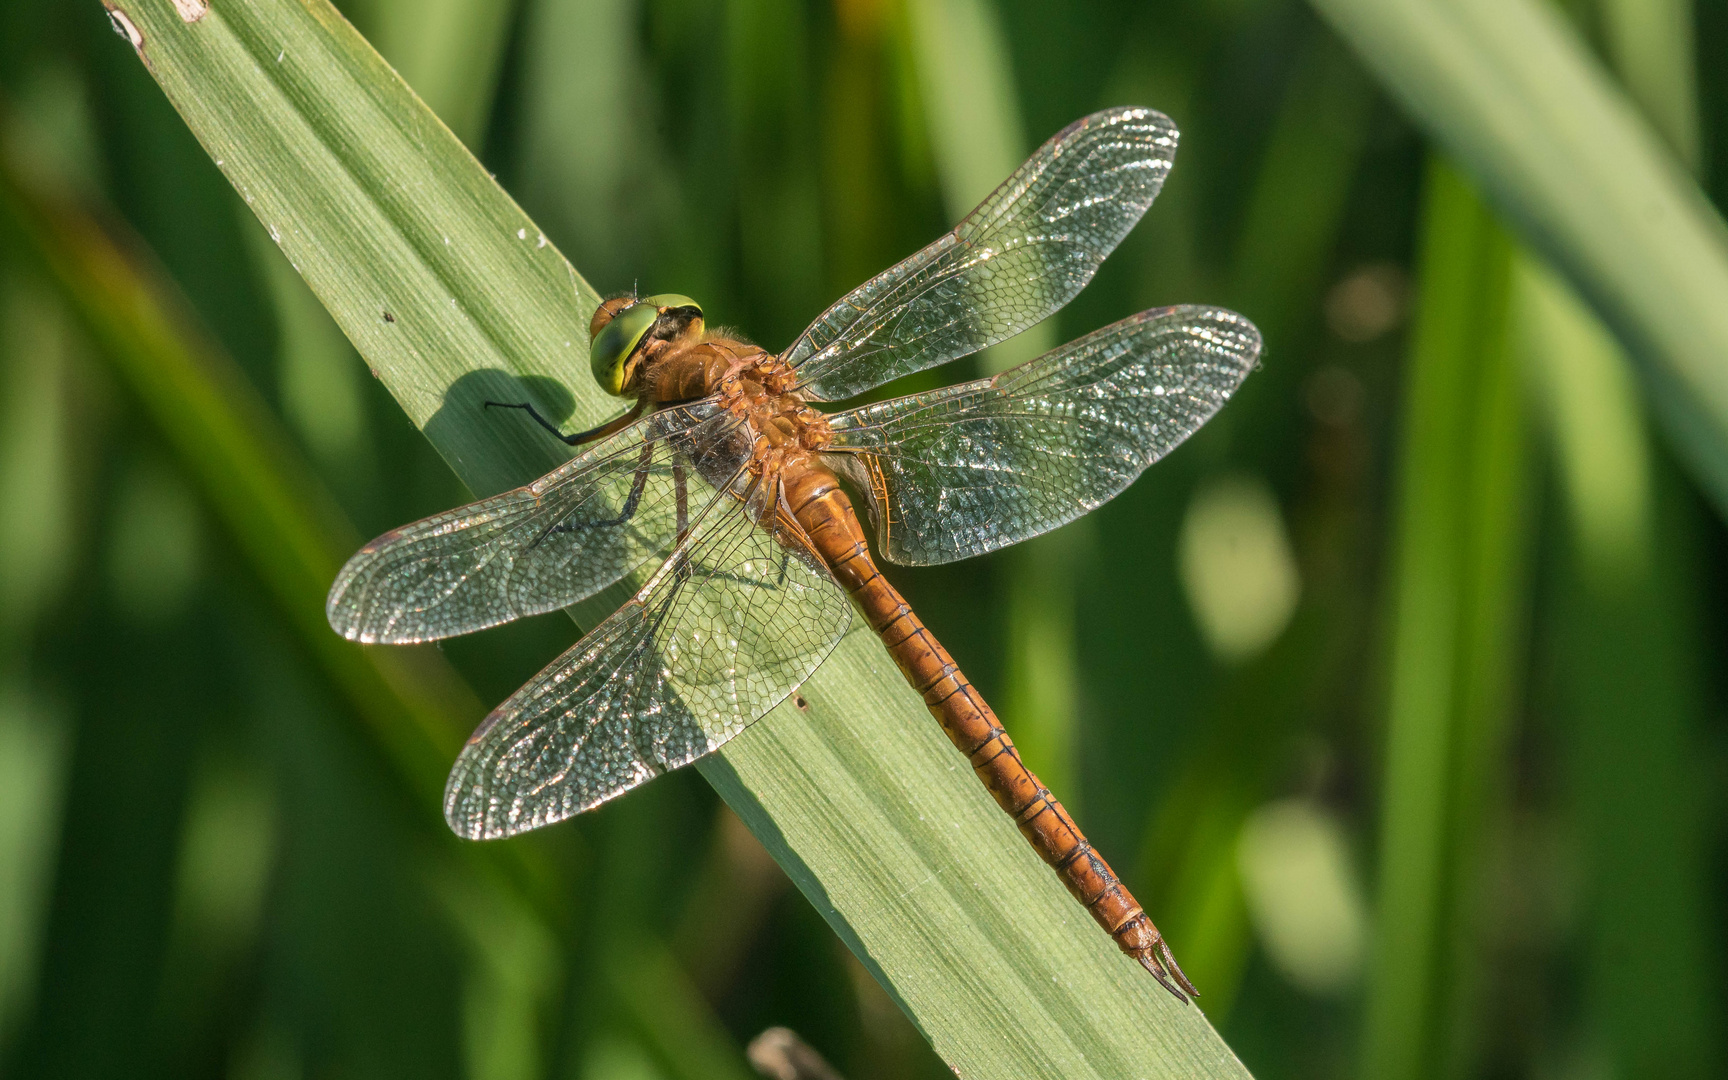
pixel 786 430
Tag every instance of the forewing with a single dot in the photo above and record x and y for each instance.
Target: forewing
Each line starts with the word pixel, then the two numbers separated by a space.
pixel 972 468
pixel 1016 259
pixel 729 626
pixel 541 547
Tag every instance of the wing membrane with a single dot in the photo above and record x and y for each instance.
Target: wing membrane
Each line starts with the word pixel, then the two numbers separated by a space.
pixel 1016 259
pixel 538 548
pixel 729 626
pixel 975 467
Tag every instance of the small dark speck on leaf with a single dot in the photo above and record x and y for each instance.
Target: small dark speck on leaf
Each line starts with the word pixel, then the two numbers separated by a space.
pixel 389 317
pixel 798 700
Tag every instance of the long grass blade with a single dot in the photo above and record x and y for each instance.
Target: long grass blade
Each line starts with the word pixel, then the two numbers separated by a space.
pixel 1628 713
pixel 1509 90
pixel 1458 592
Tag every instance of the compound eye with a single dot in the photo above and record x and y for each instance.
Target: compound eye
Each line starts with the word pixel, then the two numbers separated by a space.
pixel 615 342
pixel 606 312
pixel 667 303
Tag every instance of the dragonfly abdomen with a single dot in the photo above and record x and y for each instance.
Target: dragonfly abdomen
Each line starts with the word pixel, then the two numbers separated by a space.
pixel 825 513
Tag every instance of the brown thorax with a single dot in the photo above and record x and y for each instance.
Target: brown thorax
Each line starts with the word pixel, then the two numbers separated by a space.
pixel 788 432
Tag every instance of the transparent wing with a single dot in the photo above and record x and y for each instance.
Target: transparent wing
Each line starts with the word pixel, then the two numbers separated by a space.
pixel 1022 254
pixel 975 467
pixel 541 547
pixel 729 626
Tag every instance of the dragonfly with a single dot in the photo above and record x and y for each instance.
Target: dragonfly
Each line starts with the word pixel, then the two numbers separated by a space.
pixel 728 485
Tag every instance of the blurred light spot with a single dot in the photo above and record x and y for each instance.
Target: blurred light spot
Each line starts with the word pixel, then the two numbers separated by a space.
pixel 1237 567
pixel 266 1053
pixel 227 846
pixel 154 543
pixel 50 132
pixel 612 1057
pixel 1334 396
pixel 1369 302
pixel 32 766
pixel 35 473
pixel 225 857
pixel 1302 895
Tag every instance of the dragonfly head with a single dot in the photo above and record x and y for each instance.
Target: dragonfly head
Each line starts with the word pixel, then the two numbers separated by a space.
pixel 625 324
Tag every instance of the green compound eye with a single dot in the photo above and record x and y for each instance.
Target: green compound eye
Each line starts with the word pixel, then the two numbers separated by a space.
pixel 616 341
pixel 670 301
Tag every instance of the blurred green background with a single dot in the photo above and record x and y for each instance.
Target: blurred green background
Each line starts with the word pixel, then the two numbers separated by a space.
pixel 1395 694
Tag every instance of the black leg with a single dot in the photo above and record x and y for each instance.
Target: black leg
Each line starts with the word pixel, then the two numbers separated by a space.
pixel 581 436
pixel 638 485
pixel 779 580
pixel 681 495
pixel 681 503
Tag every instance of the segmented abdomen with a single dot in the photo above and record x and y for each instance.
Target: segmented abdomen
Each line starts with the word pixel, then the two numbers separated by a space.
pixel 826 516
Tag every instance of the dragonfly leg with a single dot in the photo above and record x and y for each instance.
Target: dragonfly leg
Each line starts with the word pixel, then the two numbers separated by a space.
pixel 681 499
pixel 681 509
pixel 580 437
pixel 638 485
